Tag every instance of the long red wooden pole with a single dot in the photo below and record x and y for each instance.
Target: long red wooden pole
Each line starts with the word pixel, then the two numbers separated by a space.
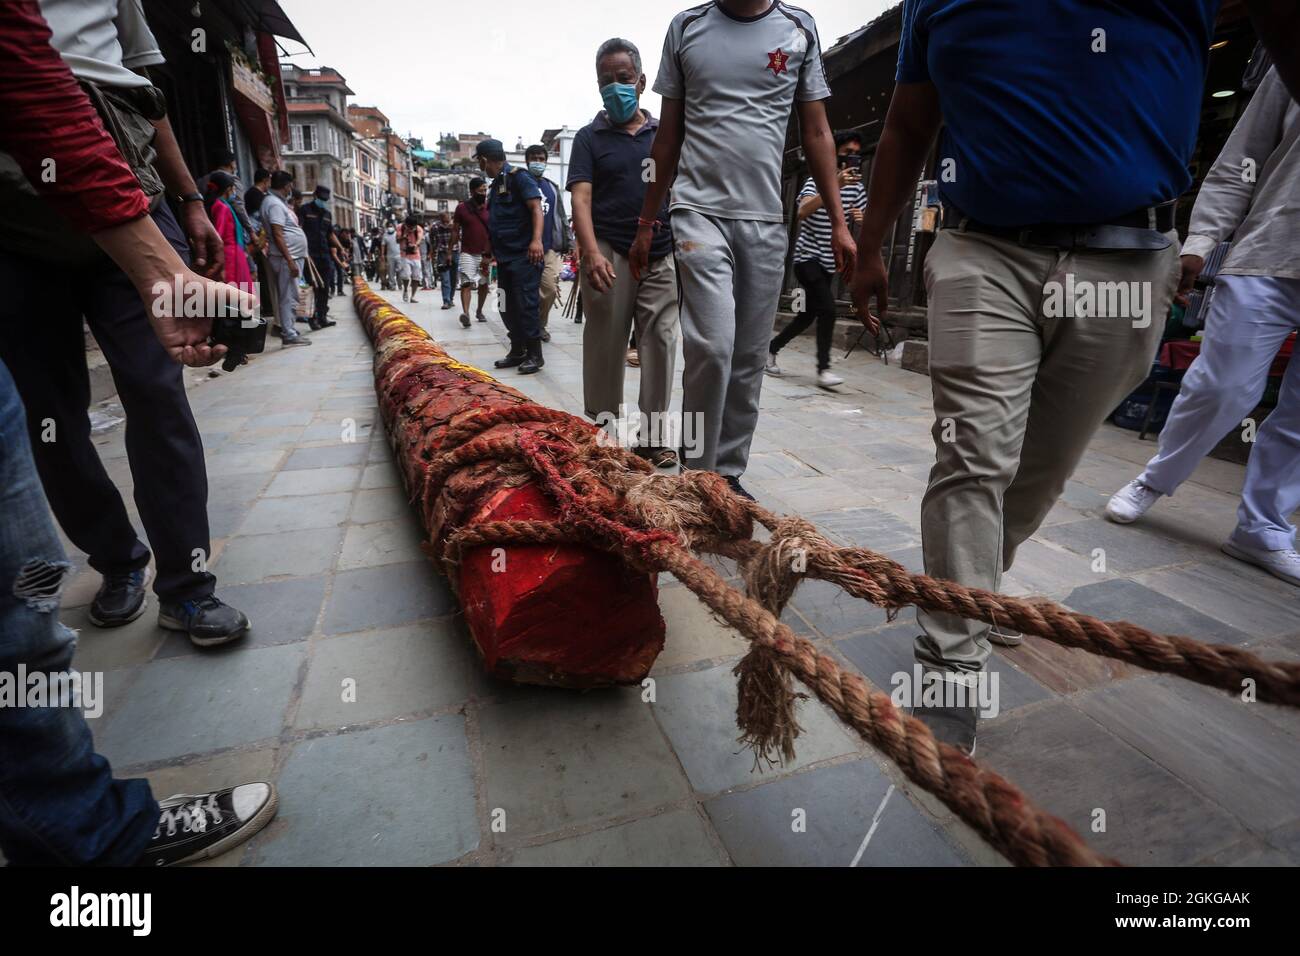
pixel 557 614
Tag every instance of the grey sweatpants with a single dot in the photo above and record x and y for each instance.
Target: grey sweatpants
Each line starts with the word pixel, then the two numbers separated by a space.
pixel 286 287
pixel 729 273
pixel 1019 390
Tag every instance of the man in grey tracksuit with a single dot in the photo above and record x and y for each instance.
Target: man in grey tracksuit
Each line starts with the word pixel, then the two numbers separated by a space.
pixel 730 74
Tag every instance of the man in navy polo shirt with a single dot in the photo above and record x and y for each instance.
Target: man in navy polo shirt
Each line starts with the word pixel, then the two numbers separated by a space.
pixel 607 178
pixel 1062 154
pixel 515 216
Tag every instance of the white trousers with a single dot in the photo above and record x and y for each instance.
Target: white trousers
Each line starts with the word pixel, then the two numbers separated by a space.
pixel 1250 317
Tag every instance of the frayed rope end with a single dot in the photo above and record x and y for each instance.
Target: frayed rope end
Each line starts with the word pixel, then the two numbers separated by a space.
pixel 765 707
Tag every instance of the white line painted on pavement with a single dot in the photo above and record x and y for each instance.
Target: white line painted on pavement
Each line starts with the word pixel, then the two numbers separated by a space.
pixel 875 821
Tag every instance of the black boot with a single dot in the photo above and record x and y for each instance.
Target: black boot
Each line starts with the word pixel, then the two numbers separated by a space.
pixel 514 357
pixel 534 361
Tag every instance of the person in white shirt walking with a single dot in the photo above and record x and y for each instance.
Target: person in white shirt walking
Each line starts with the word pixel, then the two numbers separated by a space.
pixel 1251 196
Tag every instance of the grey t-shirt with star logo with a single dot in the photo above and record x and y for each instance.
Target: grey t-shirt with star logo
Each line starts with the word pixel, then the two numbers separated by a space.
pixel 739 79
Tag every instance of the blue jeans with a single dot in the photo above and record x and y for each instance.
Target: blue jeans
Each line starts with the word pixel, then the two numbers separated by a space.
pixel 59 803
pixel 447 277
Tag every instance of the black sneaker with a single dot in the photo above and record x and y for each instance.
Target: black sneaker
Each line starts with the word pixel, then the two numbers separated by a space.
pixel 200 826
pixel 208 621
pixel 546 336
pixel 733 481
pixel 464 320
pixel 480 316
pixel 120 599
pixel 951 725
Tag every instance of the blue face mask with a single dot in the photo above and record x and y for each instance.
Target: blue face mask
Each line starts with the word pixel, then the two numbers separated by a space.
pixel 319 202
pixel 620 101
pixel 537 169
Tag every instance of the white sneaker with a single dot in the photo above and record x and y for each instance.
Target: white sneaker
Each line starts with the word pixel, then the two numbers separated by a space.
pixel 828 379
pixel 999 634
pixel 1283 564
pixel 1131 502
pixel 771 368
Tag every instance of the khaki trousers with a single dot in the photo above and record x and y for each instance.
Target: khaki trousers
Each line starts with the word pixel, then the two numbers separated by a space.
pixel 652 305
pixel 1023 372
pixel 550 287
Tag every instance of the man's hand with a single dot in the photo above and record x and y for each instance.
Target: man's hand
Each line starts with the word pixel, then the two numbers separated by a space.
pixel 600 271
pixel 871 281
pixel 185 339
pixel 206 248
pixel 536 254
pixel 845 250
pixel 1193 266
pixel 638 257
pixel 848 175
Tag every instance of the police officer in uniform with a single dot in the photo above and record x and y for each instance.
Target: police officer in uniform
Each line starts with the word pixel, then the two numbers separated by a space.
pixel 515 226
pixel 318 224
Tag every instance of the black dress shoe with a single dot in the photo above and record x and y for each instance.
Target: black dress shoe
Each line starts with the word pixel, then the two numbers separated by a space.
pixel 208 621
pixel 533 362
pixel 120 599
pixel 955 726
pixel 514 357
pixel 733 482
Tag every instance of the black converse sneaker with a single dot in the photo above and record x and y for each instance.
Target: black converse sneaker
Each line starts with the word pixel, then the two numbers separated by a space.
pixel 733 482
pixel 200 826
pixel 208 620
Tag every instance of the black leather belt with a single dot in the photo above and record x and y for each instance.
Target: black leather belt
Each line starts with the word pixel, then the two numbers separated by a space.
pixel 1142 229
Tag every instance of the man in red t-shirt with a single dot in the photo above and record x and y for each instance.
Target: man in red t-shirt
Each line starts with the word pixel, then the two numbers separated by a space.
pixel 469 229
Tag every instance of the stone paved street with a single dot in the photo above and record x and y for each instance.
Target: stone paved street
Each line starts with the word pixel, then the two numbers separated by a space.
pixel 434 763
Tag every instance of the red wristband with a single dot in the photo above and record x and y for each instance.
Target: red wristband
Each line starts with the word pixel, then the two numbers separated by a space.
pixel 652 223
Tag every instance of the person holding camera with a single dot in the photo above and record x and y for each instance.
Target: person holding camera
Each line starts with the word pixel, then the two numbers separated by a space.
pixel 814 259
pixel 53 276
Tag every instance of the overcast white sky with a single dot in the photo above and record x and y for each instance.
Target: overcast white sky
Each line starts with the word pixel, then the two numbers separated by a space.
pixel 509 67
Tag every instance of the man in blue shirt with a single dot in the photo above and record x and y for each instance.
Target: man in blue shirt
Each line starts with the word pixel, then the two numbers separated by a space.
pixel 515 225
pixel 1067 141
pixel 555 232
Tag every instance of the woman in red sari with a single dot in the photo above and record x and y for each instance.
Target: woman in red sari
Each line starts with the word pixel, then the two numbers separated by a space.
pixel 220 187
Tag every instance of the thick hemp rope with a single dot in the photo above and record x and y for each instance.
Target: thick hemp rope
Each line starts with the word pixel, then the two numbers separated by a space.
pixel 612 500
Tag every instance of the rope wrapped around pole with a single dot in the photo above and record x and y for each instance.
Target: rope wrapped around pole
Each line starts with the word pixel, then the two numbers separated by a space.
pixel 608 499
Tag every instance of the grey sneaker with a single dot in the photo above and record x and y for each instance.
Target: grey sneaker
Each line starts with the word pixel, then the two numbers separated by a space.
pixel 1283 564
pixel 296 340
pixel 1005 636
pixel 955 726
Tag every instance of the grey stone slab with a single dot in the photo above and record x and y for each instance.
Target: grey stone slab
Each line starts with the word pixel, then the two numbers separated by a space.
pixel 101 649
pixel 868 528
pixel 559 759
pixel 773 465
pixel 384 542
pixel 1212 741
pixel 1240 599
pixel 280 612
pixel 193 705
pixel 837 807
pixel 381 474
pixel 327 456
pixel 1118 600
pixel 676 838
pixel 1071 766
pixel 898 453
pixel 1127 548
pixel 226 462
pixel 399 795
pixel 382 504
pixel 886 658
pixel 390 673
pixel 1052 571
pixel 298 416
pixel 832 611
pixel 336 430
pixel 275 515
pixel 386 597
pixel 313 481
pixel 692 632
pixel 255 557
pixel 698 713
